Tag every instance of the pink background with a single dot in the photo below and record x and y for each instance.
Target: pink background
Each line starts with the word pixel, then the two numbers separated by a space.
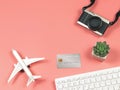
pixel 46 28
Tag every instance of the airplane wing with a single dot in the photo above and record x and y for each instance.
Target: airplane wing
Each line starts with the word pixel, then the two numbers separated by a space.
pixel 17 68
pixel 29 61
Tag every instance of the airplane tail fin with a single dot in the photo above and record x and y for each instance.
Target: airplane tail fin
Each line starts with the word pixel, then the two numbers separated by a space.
pixel 32 79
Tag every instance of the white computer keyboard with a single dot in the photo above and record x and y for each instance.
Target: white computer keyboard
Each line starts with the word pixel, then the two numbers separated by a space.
pixel 107 79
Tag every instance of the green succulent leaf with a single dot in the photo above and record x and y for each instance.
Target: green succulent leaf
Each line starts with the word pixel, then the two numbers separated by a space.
pixel 101 49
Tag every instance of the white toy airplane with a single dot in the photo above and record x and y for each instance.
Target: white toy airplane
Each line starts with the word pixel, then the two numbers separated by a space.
pixel 23 65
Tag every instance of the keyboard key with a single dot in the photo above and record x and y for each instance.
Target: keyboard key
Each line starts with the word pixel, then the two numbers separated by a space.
pixel 108 82
pixel 103 77
pixel 82 82
pixel 102 84
pixel 111 88
pixel 97 85
pixel 113 81
pixel 93 80
pixel 118 80
pixel 91 86
pixel 109 76
pixel 87 80
pixel 105 88
pixel 115 75
pixel 117 87
pixel 86 87
pixel 98 78
pixel 76 83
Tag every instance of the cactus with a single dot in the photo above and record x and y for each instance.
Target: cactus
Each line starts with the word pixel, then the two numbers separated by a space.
pixel 101 49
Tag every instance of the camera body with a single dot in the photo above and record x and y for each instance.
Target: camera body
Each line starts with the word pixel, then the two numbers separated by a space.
pixel 93 22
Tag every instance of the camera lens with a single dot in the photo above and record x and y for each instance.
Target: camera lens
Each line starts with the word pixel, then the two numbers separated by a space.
pixel 94 23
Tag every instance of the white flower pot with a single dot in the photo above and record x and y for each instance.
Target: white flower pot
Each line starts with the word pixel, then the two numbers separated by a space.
pixel 101 58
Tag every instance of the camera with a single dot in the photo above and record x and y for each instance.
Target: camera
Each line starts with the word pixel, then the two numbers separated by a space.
pixel 93 22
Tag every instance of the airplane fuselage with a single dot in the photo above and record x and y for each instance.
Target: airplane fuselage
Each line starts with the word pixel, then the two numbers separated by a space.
pixel 25 68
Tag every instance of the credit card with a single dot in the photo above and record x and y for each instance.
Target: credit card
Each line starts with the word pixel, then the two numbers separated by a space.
pixel 68 60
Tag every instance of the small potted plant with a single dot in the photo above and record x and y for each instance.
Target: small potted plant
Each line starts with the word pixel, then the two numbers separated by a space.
pixel 101 50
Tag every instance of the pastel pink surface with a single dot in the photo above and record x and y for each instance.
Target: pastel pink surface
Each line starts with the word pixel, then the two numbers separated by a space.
pixel 45 28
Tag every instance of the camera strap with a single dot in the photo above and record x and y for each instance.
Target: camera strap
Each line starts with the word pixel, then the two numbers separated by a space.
pixel 111 23
pixel 116 18
pixel 92 2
